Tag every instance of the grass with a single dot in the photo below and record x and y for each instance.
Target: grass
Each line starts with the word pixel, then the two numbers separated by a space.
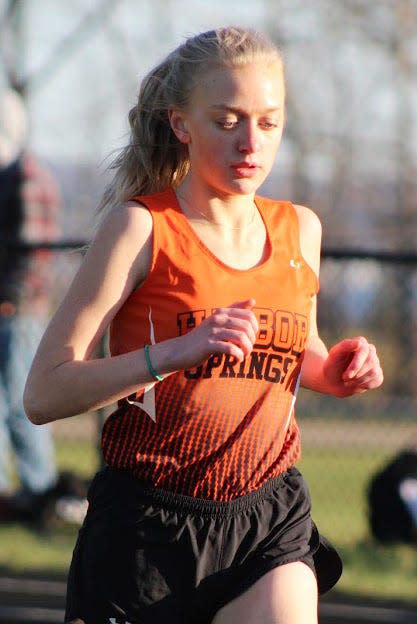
pixel 373 570
pixel 23 548
pixel 338 481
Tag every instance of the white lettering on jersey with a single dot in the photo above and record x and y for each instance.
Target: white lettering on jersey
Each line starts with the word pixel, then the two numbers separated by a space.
pixel 148 405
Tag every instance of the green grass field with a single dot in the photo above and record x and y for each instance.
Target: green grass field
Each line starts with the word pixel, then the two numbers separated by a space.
pixel 337 480
pixel 24 549
pixel 338 483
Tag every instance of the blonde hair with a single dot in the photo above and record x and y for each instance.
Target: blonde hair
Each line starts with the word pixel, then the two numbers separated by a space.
pixel 154 158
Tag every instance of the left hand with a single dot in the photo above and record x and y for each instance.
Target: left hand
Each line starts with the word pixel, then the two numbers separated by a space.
pixel 352 367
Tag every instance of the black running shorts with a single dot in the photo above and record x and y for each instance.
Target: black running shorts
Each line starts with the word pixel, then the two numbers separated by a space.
pixel 147 556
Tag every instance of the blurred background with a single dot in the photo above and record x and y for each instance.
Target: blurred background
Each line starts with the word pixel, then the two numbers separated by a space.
pixel 349 151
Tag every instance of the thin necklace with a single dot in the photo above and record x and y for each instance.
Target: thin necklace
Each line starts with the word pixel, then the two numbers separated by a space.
pixel 241 227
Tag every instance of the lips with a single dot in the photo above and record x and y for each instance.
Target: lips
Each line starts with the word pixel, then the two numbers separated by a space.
pixel 245 169
pixel 244 163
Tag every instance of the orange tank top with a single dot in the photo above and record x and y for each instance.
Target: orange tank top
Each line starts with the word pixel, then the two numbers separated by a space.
pixel 222 429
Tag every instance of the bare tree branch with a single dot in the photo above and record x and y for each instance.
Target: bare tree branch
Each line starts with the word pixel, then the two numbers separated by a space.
pixel 9 29
pixel 73 40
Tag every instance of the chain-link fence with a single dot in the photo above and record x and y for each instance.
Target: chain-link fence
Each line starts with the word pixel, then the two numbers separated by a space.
pixel 345 442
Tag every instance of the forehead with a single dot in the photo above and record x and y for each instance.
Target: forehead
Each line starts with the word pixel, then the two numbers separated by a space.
pixel 258 85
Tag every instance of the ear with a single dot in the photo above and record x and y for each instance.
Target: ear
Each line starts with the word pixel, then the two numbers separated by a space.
pixel 177 119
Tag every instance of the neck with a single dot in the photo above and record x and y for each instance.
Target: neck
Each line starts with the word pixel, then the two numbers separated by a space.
pixel 230 213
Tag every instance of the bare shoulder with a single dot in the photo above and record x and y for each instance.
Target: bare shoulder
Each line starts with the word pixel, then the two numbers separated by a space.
pixel 128 219
pixel 308 219
pixel 310 235
pixel 125 233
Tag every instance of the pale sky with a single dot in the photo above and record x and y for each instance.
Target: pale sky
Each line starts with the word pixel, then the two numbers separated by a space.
pixel 338 87
pixel 81 110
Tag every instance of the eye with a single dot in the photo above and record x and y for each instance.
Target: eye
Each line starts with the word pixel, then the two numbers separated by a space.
pixel 227 124
pixel 268 124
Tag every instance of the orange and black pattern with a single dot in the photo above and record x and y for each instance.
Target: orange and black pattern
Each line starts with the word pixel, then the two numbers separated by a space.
pixel 223 429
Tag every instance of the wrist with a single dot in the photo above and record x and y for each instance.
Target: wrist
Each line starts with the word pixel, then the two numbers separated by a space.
pixel 151 369
pixel 318 381
pixel 160 359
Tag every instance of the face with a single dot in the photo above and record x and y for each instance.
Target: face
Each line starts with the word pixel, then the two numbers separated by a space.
pixel 233 126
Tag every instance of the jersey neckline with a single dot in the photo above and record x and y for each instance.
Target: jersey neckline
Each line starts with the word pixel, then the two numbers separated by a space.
pixel 198 240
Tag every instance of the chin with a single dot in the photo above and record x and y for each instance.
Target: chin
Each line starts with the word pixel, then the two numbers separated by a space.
pixel 245 186
pixel 237 186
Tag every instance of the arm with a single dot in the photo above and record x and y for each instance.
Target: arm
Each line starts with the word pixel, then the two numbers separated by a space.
pixel 352 365
pixel 65 380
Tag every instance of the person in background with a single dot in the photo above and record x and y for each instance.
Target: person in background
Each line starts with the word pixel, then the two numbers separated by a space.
pixel 30 205
pixel 200 514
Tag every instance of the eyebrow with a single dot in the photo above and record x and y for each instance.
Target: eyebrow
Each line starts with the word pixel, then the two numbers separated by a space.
pixel 234 109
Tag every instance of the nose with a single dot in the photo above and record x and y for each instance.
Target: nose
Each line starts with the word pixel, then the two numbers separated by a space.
pixel 249 138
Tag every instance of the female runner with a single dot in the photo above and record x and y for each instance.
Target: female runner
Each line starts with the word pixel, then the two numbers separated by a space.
pixel 209 293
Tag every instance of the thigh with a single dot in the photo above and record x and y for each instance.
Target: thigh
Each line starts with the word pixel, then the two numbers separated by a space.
pixel 285 595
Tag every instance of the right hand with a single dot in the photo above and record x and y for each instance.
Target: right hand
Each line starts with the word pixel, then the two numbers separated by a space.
pixel 231 330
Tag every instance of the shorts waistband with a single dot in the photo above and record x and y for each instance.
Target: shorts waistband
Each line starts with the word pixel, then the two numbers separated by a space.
pixel 189 504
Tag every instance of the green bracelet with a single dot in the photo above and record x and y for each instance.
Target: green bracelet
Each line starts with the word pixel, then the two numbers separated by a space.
pixel 149 365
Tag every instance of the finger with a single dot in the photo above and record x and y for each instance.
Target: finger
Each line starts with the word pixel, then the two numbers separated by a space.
pixel 246 303
pixel 235 336
pixel 370 380
pixel 364 353
pixel 222 314
pixel 232 350
pixel 345 346
pixel 228 347
pixel 244 325
pixel 371 372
